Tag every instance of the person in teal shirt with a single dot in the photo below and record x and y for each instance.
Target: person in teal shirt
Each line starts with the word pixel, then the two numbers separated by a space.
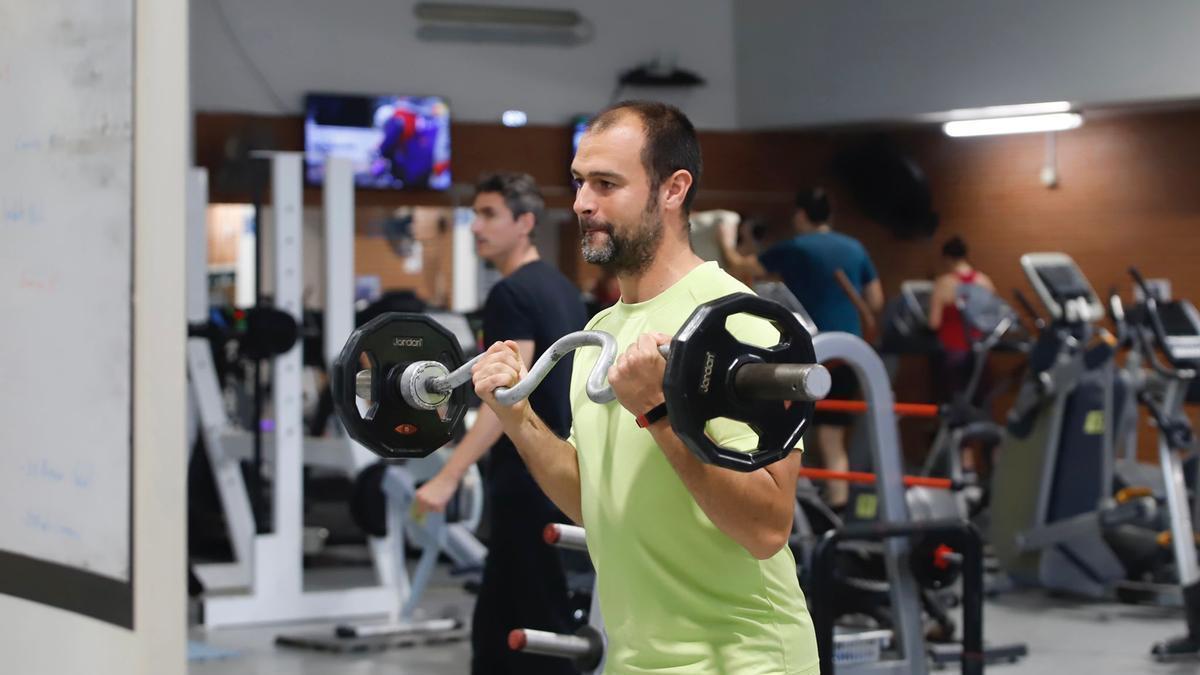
pixel 830 274
pixel 694 573
pixel 809 263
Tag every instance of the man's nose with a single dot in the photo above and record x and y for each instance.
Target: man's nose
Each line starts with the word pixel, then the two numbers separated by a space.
pixel 584 204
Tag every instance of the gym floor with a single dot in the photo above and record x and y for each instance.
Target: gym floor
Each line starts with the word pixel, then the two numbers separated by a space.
pixel 1064 636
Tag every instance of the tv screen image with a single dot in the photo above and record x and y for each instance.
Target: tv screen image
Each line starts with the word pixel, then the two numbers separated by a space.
pixel 393 142
pixel 578 126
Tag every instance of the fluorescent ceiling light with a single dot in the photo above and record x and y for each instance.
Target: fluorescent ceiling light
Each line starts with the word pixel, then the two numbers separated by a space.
pixel 497 14
pixel 514 118
pixel 460 22
pixel 1013 125
pixel 1007 110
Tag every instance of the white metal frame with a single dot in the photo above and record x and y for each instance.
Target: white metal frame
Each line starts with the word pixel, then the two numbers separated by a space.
pixel 276 592
pixel 206 410
pixel 434 536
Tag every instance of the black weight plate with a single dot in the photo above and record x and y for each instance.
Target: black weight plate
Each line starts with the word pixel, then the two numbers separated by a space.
pixel 390 427
pixel 699 382
pixel 269 333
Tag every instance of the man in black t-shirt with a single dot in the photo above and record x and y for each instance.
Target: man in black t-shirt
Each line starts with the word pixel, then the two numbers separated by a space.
pixel 533 305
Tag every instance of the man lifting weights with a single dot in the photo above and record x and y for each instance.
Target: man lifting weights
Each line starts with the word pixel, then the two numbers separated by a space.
pixel 693 569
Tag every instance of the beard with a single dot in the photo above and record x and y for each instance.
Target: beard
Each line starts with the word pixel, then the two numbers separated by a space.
pixel 626 253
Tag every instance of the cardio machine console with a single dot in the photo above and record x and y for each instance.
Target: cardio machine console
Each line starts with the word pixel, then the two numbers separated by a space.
pixel 917 294
pixel 1181 328
pixel 1063 290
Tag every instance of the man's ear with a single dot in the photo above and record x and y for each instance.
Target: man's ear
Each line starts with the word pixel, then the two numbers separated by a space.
pixel 526 222
pixel 675 189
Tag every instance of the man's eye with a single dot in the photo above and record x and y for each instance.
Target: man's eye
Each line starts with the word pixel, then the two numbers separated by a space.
pixel 576 183
pixel 607 185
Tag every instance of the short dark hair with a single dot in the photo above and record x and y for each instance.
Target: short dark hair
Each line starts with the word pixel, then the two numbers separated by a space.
pixel 519 190
pixel 814 202
pixel 671 142
pixel 955 248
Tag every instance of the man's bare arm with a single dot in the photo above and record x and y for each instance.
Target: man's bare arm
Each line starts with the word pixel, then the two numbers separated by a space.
pixel 864 309
pixel 873 292
pixel 754 509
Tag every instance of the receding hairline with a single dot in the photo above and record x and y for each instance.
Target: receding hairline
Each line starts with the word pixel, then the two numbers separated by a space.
pixel 615 116
pixel 607 122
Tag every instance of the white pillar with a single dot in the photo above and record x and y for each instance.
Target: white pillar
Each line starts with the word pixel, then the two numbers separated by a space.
pixel 465 264
pixel 287 202
pixel 197 245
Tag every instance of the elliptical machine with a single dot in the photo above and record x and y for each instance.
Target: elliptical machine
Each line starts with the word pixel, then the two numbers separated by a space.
pixel 1171 327
pixel 1054 466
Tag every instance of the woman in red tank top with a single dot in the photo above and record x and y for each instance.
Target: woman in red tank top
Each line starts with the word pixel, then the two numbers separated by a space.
pixel 953 369
pixel 951 331
pixel 946 319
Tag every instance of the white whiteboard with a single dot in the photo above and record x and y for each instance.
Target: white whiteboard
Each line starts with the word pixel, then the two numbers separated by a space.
pixel 66 260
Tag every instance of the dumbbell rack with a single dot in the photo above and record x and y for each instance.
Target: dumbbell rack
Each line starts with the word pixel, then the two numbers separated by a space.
pixel 588 646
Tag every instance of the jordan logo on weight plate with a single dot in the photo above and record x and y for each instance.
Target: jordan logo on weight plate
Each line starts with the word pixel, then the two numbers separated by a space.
pixel 407 342
pixel 706 381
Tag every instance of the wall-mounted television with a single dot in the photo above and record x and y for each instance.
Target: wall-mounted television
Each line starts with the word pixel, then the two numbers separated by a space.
pixel 393 142
pixel 578 126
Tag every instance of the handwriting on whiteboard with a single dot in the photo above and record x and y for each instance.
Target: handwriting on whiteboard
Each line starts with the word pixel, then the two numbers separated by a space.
pixel 38 281
pixel 21 212
pixel 28 144
pixel 92 128
pixel 80 475
pixel 39 522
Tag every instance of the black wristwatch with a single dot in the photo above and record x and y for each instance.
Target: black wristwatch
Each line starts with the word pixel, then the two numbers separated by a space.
pixel 653 415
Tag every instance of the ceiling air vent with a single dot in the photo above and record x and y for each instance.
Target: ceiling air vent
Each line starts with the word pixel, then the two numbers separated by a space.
pixel 453 22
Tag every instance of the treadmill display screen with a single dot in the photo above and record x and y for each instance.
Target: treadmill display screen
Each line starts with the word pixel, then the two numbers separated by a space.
pixel 1064 282
pixel 1177 321
pixel 922 298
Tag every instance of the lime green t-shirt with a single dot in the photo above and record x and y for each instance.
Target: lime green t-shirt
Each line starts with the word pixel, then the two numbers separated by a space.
pixel 678 595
